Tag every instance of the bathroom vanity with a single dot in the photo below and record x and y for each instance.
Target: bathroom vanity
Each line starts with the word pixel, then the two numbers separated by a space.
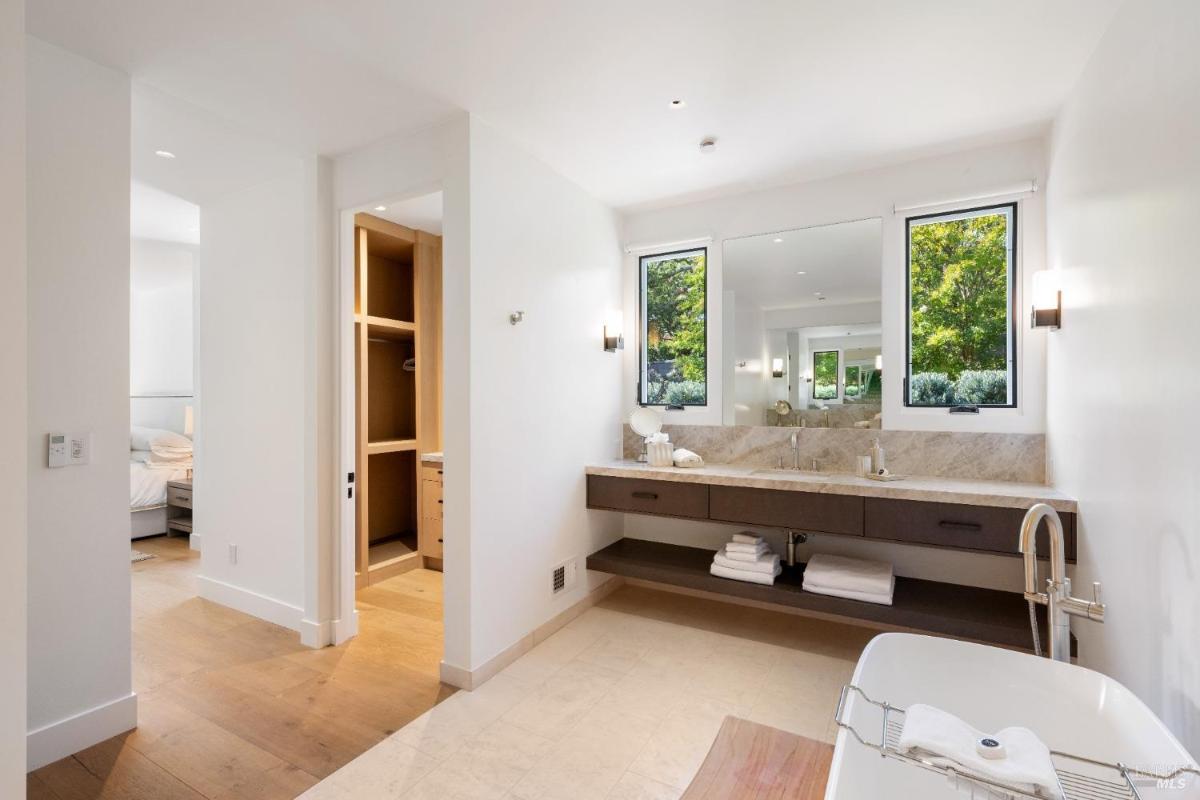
pixel 968 515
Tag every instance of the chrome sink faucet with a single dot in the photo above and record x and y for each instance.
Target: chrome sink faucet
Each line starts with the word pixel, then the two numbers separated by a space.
pixel 1060 605
pixel 796 450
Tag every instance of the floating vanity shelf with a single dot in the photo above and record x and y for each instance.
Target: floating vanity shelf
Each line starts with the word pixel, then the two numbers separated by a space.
pixel 967 612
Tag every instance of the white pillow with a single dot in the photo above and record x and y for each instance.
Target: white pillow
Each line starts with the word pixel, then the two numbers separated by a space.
pixel 150 438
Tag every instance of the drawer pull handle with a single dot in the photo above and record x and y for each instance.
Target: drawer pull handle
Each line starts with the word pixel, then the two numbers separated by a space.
pixel 440 540
pixel 960 526
pixel 645 496
pixel 439 502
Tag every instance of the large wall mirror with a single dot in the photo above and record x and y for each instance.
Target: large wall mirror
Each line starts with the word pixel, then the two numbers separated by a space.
pixel 801 334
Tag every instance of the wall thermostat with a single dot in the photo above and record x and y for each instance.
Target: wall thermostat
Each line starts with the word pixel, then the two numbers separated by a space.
pixel 68 449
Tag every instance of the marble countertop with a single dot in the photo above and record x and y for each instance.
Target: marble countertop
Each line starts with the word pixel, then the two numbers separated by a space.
pixel 436 458
pixel 1001 494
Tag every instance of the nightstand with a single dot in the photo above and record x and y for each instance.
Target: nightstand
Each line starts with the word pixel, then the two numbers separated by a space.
pixel 179 507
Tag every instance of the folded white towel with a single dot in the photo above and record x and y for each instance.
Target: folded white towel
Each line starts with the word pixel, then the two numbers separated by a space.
pixel 661 436
pixel 766 563
pixel 753 549
pixel 849 574
pixel 737 555
pixel 747 538
pixel 946 740
pixel 766 579
pixel 882 598
pixel 686 458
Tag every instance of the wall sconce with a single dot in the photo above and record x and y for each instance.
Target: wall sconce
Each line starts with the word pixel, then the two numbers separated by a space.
pixel 1047 302
pixel 613 340
pixel 777 367
pixel 879 362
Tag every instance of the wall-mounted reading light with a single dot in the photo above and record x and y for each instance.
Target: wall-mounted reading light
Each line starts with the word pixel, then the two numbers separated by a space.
pixel 1047 302
pixel 613 340
pixel 777 367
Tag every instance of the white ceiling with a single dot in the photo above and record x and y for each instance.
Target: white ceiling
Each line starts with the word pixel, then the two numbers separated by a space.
pixel 423 213
pixel 793 89
pixel 161 216
pixel 840 261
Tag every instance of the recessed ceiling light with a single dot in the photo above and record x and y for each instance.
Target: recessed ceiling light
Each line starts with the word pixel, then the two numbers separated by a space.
pixel 777 240
pixel 678 104
pixel 381 208
pixel 708 145
pixel 801 272
pixel 816 294
pixel 164 154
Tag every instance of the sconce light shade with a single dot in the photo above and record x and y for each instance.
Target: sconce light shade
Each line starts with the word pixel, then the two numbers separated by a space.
pixel 613 340
pixel 879 362
pixel 189 420
pixel 777 367
pixel 1047 302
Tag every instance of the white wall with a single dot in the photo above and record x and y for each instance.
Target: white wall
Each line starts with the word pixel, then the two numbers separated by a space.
pixel 78 301
pixel 748 404
pixel 13 399
pixel 850 197
pixel 1122 211
pixel 251 347
pixel 160 318
pixel 543 403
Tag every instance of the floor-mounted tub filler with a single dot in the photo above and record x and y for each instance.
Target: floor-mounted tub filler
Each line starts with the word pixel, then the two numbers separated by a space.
pixel 1105 743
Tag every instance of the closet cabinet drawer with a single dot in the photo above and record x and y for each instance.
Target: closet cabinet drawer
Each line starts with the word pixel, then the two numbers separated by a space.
pixel 802 511
pixel 179 497
pixel 985 528
pixel 640 496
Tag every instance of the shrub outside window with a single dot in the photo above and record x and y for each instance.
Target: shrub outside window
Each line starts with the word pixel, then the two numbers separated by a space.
pixel 961 301
pixel 674 328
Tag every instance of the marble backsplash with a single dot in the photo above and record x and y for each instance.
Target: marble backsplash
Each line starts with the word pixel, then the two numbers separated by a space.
pixel 1017 457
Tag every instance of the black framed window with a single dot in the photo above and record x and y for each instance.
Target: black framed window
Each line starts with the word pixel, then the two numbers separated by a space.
pixel 825 374
pixel 961 320
pixel 673 328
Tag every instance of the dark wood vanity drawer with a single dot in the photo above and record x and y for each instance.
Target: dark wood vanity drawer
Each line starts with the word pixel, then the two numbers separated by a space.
pixel 640 496
pixel 802 511
pixel 986 528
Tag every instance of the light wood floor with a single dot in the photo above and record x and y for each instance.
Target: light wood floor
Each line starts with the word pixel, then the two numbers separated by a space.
pixel 233 707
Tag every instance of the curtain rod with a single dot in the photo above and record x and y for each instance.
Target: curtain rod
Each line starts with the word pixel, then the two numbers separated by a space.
pixel 1024 187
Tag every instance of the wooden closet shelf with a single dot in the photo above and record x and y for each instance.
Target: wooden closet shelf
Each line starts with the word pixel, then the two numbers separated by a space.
pixel 391 446
pixel 385 328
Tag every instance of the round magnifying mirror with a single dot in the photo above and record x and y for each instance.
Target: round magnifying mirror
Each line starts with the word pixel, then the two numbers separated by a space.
pixel 783 408
pixel 646 421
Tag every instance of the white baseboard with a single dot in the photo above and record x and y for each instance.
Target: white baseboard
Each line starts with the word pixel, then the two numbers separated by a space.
pixel 79 732
pixel 194 541
pixel 474 678
pixel 316 634
pixel 345 628
pixel 252 603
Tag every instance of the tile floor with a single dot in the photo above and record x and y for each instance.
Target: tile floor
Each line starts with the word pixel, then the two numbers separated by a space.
pixel 624 702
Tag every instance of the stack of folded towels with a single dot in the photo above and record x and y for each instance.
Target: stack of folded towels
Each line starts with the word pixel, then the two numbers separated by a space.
pixel 747 558
pixel 851 578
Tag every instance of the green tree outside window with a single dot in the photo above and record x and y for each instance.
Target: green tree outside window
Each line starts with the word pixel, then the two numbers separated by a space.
pixel 675 335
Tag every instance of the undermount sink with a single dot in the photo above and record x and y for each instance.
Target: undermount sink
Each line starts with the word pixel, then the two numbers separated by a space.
pixel 794 473
pixel 1072 709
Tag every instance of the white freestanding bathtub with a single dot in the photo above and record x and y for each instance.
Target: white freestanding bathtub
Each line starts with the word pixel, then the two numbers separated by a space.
pixel 1072 709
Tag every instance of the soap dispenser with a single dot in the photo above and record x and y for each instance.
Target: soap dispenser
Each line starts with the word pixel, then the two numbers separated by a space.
pixel 878 459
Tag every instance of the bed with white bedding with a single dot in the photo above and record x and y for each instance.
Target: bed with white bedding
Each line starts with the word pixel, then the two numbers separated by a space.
pixel 155 458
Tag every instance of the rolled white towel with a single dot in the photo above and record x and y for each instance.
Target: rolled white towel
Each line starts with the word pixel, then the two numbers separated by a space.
pixel 946 740
pixel 686 458
pixel 849 574
pixel 739 547
pixel 744 575
pixel 747 538
pixel 766 563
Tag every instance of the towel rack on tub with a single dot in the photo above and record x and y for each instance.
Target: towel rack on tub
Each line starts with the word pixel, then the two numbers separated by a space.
pixel 1079 778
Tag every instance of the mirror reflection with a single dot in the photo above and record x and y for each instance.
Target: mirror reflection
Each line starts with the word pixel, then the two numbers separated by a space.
pixel 801 327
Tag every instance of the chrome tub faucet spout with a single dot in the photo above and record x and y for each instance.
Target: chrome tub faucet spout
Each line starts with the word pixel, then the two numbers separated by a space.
pixel 1060 605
